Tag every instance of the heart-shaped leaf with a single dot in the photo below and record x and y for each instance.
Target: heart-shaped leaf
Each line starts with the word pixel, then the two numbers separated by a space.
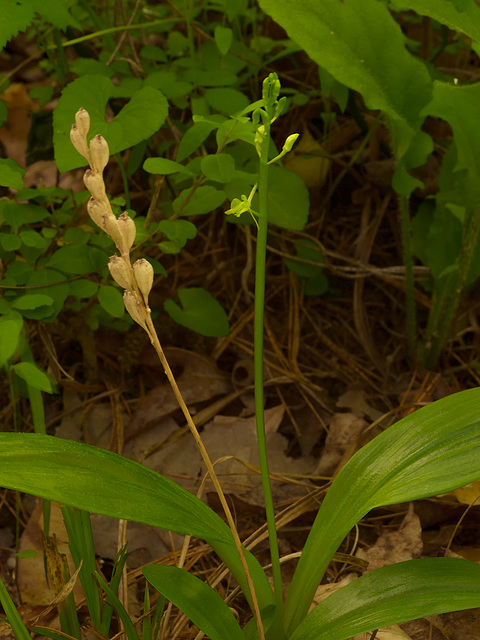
pixel 139 119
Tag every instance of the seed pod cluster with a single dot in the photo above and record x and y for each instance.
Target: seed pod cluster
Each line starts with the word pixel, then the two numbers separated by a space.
pixel 137 280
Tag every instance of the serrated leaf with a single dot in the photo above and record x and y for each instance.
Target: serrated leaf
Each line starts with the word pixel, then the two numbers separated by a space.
pixel 54 12
pixel 201 604
pixel 16 16
pixel 201 312
pixel 111 300
pixel 139 119
pixel 458 15
pixel 33 376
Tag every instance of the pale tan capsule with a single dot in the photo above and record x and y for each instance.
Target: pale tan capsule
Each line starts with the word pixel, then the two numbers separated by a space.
pixel 96 211
pixel 120 272
pixel 134 307
pixel 79 142
pixel 94 182
pixel 82 120
pixel 99 153
pixel 143 272
pixel 110 225
pixel 128 232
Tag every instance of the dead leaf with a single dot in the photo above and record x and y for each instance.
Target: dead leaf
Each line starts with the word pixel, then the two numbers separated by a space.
pixel 344 430
pixel 31 581
pixel 396 546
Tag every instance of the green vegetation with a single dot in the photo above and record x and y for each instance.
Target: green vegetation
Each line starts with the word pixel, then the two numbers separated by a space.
pixel 198 118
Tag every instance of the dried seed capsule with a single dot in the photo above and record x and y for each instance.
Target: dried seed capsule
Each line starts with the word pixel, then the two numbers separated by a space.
pixel 128 232
pixel 110 226
pixel 134 307
pixel 143 272
pixel 94 182
pixel 82 120
pixel 96 211
pixel 121 272
pixel 99 153
pixel 79 142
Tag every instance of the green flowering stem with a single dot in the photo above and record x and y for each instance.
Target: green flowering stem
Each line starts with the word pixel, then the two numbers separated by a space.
pixel 262 223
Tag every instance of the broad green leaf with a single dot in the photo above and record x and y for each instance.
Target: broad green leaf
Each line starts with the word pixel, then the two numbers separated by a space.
pixel 10 242
pixel 9 335
pixel 83 288
pixel 458 105
pixel 16 214
pixel 432 451
pixel 219 167
pixel 464 18
pixel 103 482
pixel 163 166
pixel 111 300
pixel 177 232
pixel 33 376
pixel 196 136
pixel 198 601
pixel 316 282
pixel 11 174
pixel 366 52
pixel 226 100
pixel 54 11
pixel 54 285
pixel 223 39
pixel 394 594
pixel 288 199
pixel 139 119
pixel 200 312
pixel 204 200
pixel 32 301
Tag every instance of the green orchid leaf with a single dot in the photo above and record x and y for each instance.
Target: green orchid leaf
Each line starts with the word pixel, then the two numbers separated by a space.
pixel 394 594
pixel 103 482
pixel 432 451
pixel 198 601
pixel 139 119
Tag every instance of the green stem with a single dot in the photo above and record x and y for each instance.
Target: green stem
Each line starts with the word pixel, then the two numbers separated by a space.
pixel 123 173
pixel 258 366
pixel 409 281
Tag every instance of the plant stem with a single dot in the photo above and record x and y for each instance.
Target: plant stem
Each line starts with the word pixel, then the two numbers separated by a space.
pixel 409 281
pixel 208 463
pixel 258 373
